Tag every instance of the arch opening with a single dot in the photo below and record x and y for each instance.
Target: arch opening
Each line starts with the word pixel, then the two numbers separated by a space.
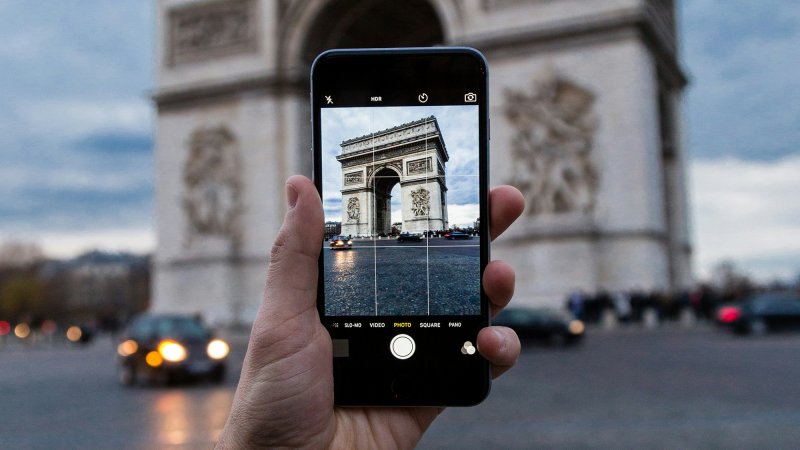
pixel 384 183
pixel 373 23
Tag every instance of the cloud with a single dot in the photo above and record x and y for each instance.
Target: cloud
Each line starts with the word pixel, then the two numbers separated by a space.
pixel 116 142
pixel 76 125
pixel 743 58
pixel 68 244
pixel 462 215
pixel 747 211
pixel 69 118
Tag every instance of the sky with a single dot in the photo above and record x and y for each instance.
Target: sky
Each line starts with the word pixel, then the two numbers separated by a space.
pixel 77 125
pixel 459 129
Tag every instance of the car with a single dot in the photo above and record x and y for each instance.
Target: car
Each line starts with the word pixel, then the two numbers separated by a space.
pixel 457 235
pixel 341 243
pixel 762 313
pixel 409 237
pixel 163 348
pixel 545 324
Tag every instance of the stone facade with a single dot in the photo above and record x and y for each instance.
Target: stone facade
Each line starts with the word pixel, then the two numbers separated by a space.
pixel 585 102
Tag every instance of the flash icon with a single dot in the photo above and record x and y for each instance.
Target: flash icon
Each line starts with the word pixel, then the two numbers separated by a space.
pixel 328 100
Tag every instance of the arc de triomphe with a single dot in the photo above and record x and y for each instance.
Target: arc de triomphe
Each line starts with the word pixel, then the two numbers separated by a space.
pixel 585 110
pixel 413 155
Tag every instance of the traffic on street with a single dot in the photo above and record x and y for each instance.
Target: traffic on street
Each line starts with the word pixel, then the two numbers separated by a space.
pixel 631 387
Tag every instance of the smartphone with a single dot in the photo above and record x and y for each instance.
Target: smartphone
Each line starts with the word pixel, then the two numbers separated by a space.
pixel 400 145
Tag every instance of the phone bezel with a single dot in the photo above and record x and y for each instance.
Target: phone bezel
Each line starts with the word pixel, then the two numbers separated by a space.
pixel 476 386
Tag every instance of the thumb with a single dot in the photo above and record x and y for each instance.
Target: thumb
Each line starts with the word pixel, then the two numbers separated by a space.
pixel 292 275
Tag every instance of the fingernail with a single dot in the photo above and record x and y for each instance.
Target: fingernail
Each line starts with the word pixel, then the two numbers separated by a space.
pixel 501 339
pixel 291 195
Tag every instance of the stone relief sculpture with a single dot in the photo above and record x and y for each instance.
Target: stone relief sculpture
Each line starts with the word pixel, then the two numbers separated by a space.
pixel 555 126
pixel 354 209
pixel 421 202
pixel 353 178
pixel 212 200
pixel 210 29
pixel 419 166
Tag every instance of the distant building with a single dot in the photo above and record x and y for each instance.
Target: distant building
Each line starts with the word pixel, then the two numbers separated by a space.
pixel 99 285
pixel 332 229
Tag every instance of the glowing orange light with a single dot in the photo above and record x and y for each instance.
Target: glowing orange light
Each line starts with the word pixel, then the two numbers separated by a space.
pixel 127 348
pixel 74 333
pixel 153 359
pixel 22 330
pixel 576 327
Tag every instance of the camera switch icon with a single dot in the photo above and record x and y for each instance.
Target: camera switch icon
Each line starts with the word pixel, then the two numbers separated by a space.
pixel 468 348
pixel 470 97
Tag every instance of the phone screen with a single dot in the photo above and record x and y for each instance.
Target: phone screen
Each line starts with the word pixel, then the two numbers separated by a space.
pixel 400 140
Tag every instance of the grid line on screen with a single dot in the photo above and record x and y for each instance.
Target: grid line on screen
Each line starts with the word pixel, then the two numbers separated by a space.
pixel 371 205
pixel 389 298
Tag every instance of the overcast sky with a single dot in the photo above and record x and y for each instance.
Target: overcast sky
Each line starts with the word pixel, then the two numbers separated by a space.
pixel 76 127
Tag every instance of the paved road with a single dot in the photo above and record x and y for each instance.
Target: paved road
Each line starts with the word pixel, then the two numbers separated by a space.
pixel 387 277
pixel 640 389
pixel 68 397
pixel 668 388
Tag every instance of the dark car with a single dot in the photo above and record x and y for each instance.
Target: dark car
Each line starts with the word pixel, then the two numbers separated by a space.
pixel 409 237
pixel 457 235
pixel 762 313
pixel 162 348
pixel 341 243
pixel 549 325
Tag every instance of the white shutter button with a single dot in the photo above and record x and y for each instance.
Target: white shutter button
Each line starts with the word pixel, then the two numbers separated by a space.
pixel 402 346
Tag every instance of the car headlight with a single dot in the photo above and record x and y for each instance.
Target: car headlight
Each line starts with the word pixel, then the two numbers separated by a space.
pixel 127 348
pixel 172 351
pixel 576 327
pixel 217 349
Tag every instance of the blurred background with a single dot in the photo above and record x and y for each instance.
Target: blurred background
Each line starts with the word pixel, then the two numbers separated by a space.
pixel 144 147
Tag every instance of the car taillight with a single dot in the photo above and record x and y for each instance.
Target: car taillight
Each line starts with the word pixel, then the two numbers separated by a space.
pixel 729 314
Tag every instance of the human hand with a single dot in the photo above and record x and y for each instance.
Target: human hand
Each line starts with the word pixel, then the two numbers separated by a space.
pixel 285 393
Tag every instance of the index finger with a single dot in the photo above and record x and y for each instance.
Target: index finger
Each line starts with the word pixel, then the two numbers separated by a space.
pixel 505 205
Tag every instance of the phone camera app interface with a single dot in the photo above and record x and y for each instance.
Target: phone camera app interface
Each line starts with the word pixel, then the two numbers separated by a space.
pixel 400 189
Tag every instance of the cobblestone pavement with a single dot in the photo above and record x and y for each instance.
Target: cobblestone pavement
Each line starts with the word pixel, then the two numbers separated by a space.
pixel 630 388
pixel 386 277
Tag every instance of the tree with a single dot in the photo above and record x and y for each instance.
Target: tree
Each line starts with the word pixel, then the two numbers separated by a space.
pixel 18 254
pixel 20 293
pixel 731 281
